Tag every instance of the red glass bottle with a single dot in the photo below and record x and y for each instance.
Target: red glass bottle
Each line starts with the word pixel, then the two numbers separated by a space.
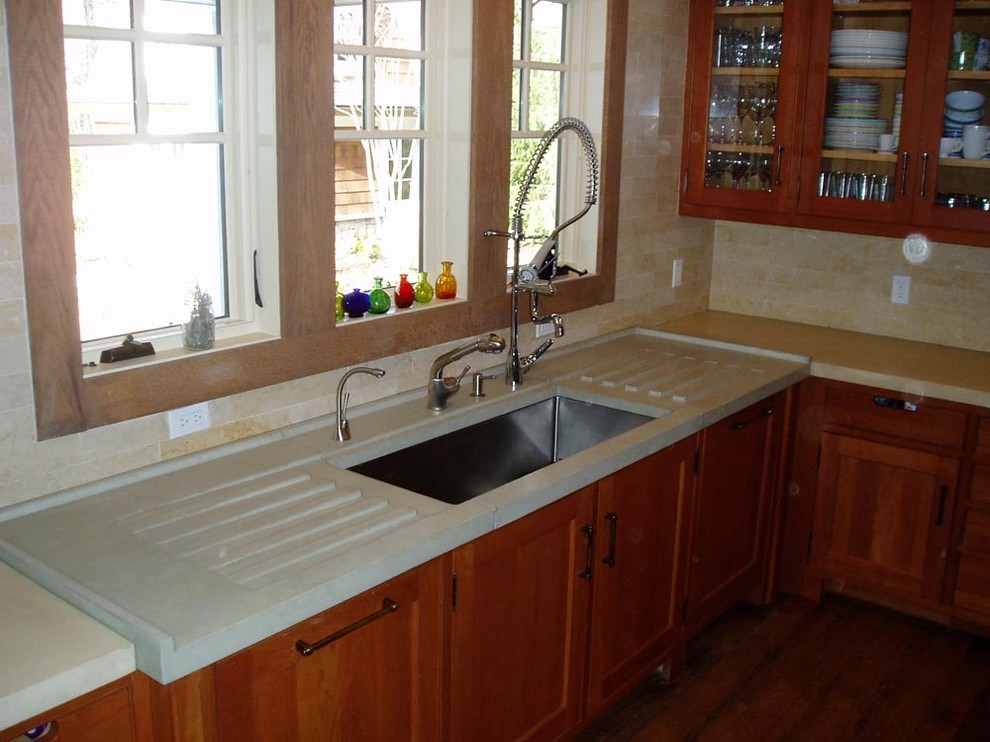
pixel 405 294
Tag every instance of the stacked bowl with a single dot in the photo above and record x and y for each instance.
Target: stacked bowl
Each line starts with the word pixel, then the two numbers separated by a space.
pixel 866 48
pixel 962 107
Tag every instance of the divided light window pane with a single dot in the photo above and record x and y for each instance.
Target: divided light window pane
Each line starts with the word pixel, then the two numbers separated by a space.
pixel 148 155
pixel 379 89
pixel 537 103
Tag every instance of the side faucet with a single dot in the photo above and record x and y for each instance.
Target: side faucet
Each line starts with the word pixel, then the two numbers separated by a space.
pixel 343 429
pixel 442 387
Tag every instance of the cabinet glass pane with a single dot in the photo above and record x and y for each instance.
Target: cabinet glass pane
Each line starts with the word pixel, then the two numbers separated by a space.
pixel 963 173
pixel 865 97
pixel 742 129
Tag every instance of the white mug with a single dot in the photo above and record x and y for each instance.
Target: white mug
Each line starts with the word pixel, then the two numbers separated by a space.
pixel 949 146
pixel 974 139
pixel 886 143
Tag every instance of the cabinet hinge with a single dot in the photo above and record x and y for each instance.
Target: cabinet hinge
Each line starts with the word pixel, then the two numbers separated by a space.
pixel 453 592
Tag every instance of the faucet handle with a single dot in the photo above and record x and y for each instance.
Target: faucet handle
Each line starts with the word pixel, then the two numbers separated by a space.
pixel 457 381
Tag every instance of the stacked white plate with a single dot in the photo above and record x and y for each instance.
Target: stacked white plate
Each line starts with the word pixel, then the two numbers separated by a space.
pixel 868 48
pixel 853 133
pixel 855 99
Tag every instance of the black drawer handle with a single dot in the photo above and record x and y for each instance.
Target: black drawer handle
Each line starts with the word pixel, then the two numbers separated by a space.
pixel 306 649
pixel 895 404
pixel 942 497
pixel 613 519
pixel 589 531
pixel 753 420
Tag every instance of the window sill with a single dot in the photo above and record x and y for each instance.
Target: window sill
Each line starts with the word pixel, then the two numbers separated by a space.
pixel 173 354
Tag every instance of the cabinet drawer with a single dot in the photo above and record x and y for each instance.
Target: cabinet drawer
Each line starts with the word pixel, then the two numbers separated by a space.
pixel 976 534
pixel 882 412
pixel 983 438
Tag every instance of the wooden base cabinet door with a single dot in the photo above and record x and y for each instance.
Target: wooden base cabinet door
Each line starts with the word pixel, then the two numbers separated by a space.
pixel 884 517
pixel 733 505
pixel 638 571
pixel 377 676
pixel 519 626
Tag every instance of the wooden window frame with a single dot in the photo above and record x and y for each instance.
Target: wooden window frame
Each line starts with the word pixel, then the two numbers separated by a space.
pixel 310 342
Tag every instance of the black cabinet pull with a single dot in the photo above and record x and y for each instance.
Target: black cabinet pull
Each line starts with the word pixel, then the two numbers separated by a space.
pixel 780 165
pixel 905 158
pixel 589 531
pixel 613 519
pixel 305 648
pixel 924 174
pixel 942 497
pixel 895 404
pixel 754 419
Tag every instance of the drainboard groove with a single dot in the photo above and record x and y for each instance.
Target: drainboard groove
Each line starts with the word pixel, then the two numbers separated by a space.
pixel 215 534
pixel 214 499
pixel 258 547
pixel 261 574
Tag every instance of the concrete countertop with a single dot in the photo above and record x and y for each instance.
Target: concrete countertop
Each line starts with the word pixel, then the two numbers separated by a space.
pixel 195 559
pixel 920 369
pixel 51 652
pixel 60 541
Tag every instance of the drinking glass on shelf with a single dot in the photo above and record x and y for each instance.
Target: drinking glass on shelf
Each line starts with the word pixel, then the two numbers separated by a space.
pixel 762 104
pixel 716 166
pixel 740 168
pixel 743 107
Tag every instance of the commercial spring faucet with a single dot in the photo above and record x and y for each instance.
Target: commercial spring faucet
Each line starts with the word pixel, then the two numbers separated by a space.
pixel 525 279
pixel 441 387
pixel 343 429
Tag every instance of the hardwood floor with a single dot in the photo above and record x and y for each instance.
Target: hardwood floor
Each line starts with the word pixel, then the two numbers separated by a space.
pixel 800 671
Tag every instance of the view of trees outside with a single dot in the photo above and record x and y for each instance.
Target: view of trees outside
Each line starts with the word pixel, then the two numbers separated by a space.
pixel 147 157
pixel 378 207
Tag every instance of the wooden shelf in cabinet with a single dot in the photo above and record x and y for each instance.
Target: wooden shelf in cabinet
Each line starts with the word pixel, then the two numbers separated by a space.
pixel 859 154
pixel 753 9
pixel 880 73
pixel 745 72
pixel 959 162
pixel 753 149
pixel 973 5
pixel 878 7
pixel 969 75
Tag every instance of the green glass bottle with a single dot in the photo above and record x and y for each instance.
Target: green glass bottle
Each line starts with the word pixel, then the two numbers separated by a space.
pixel 423 288
pixel 380 302
pixel 339 301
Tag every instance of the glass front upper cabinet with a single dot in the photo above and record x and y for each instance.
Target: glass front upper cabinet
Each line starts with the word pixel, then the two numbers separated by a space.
pixel 742 127
pixel 955 188
pixel 865 93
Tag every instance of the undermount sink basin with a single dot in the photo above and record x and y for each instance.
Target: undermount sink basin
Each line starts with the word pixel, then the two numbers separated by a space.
pixel 466 463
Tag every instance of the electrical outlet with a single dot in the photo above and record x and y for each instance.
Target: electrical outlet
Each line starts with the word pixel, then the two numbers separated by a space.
pixel 676 273
pixel 544 329
pixel 900 291
pixel 186 420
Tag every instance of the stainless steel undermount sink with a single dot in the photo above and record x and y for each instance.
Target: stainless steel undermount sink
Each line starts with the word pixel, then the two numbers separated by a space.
pixel 465 463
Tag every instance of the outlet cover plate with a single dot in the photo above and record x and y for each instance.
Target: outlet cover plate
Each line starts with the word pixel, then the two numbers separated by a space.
pixel 187 420
pixel 900 290
pixel 677 273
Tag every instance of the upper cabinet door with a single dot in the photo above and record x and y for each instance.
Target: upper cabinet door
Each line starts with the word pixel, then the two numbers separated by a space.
pixel 954 190
pixel 743 101
pixel 862 154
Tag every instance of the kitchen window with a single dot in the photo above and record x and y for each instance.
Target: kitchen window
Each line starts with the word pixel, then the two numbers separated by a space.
pixel 398 119
pixel 558 53
pixel 163 111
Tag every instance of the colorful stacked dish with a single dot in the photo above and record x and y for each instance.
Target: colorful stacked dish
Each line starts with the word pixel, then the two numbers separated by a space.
pixel 868 48
pixel 962 107
pixel 853 133
pixel 858 100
